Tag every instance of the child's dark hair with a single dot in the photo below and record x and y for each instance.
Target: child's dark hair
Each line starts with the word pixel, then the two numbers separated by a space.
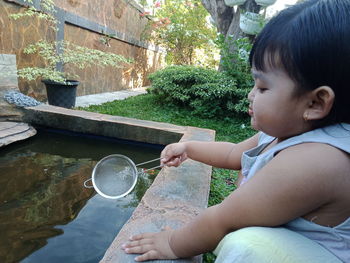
pixel 311 42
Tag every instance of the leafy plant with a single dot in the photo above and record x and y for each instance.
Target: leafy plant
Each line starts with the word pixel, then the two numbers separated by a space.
pixel 47 12
pixel 68 53
pixel 207 92
pixel 60 52
pixel 181 28
pixel 234 62
pixel 106 38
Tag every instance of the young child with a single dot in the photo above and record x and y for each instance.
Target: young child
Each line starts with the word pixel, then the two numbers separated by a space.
pixel 296 170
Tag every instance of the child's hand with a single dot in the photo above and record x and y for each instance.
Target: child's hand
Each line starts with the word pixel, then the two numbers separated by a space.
pixel 173 154
pixel 150 246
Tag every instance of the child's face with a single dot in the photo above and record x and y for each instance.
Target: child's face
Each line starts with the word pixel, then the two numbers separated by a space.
pixel 274 107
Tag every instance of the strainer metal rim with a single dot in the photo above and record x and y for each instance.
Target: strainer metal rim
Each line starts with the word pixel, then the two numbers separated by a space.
pixel 132 165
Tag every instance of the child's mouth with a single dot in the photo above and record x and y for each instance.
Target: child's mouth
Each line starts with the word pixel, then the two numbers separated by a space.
pixel 250 112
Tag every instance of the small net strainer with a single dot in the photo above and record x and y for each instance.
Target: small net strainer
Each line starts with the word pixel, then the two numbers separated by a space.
pixel 115 176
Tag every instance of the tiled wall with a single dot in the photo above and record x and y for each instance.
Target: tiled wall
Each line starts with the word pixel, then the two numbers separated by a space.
pixel 83 21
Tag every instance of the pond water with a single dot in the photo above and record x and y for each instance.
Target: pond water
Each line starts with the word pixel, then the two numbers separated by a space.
pixel 46 214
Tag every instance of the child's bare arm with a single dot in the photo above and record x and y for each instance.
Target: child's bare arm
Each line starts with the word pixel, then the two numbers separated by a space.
pixel 218 154
pixel 295 183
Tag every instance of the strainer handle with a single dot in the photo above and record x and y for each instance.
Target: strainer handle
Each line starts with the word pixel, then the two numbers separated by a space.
pixel 155 167
pixel 148 162
pixel 86 185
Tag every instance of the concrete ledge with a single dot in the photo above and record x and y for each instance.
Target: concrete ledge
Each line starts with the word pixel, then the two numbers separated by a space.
pixel 102 124
pixel 176 195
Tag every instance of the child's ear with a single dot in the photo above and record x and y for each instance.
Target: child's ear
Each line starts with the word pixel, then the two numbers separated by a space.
pixel 320 103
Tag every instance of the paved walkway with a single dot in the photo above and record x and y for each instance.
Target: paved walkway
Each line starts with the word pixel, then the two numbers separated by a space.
pixel 14 131
pixel 96 99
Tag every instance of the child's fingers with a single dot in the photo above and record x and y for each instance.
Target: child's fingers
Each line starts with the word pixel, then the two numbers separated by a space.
pixel 171 153
pixel 130 244
pixel 176 161
pixel 144 247
pixel 163 161
pixel 173 162
pixel 150 246
pixel 166 161
pixel 138 248
pixel 141 236
pixel 147 256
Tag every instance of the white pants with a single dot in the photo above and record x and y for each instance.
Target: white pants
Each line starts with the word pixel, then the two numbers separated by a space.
pixel 270 245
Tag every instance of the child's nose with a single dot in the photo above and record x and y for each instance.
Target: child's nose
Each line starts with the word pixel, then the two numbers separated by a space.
pixel 251 94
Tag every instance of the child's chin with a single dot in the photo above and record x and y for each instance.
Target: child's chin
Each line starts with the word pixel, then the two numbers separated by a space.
pixel 253 124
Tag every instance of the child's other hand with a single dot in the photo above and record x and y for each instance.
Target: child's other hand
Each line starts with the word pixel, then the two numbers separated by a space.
pixel 150 246
pixel 173 154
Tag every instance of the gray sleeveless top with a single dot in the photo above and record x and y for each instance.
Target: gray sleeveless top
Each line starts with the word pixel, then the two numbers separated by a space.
pixel 335 239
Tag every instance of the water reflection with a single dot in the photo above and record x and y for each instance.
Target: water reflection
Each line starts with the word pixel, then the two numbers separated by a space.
pixel 46 214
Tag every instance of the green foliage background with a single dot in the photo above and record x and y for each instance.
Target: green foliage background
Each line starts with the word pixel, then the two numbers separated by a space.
pixel 181 28
pixel 208 92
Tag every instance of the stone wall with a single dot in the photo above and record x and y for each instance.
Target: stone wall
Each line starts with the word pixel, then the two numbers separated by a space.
pixel 8 82
pixel 83 22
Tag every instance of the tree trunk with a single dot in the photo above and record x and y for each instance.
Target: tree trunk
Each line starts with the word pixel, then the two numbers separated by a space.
pixel 227 18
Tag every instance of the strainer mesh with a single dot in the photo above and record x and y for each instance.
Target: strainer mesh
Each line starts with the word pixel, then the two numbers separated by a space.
pixel 114 176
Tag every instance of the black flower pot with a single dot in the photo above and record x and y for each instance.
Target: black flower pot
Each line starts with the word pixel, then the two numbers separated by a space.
pixel 61 94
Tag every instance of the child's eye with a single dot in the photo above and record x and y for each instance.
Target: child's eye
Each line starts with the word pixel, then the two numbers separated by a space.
pixel 261 90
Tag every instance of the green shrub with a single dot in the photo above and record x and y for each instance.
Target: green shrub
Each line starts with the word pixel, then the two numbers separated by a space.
pixel 207 92
pixel 234 62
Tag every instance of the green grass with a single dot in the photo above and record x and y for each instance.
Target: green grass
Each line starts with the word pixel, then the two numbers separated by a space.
pixel 146 107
